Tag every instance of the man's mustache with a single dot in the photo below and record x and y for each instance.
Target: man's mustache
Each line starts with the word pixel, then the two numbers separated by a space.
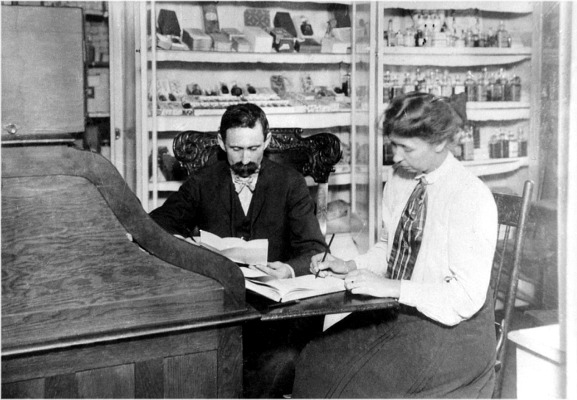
pixel 244 170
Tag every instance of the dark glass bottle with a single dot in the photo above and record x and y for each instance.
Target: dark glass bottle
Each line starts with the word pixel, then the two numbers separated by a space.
pixel 470 87
pixel 516 88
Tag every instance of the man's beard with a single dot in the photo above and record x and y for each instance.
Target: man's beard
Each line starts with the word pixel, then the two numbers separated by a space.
pixel 244 170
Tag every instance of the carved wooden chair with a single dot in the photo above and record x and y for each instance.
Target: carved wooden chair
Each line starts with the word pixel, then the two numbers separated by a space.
pixel 512 212
pixel 313 156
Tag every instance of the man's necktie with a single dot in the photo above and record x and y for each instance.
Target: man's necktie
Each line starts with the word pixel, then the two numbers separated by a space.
pixel 244 188
pixel 409 234
pixel 241 183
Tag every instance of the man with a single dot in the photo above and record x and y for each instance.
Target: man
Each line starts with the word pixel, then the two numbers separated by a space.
pixel 248 196
pixel 252 197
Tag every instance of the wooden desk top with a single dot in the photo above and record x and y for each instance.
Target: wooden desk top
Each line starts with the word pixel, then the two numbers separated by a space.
pixel 82 262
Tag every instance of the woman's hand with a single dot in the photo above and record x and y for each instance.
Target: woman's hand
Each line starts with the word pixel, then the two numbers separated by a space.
pixel 362 281
pixel 277 269
pixel 332 266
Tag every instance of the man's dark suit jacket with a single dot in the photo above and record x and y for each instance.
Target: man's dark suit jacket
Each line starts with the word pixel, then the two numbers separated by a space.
pixel 281 211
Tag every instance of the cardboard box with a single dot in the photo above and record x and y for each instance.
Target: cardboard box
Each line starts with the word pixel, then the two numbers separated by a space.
pixel 260 41
pixel 309 46
pixel 283 42
pixel 196 39
pixel 220 42
pixel 241 45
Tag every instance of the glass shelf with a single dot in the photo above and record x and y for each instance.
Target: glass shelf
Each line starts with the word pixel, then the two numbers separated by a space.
pixel 498 110
pixel 495 6
pixel 250 58
pixel 454 56
pixel 210 123
pixel 343 175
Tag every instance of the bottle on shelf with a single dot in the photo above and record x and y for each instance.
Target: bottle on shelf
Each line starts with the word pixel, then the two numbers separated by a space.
pixel 491 87
pixel 468 144
pixel 491 40
pixel 504 141
pixel 522 142
pixel 515 88
pixel 420 83
pixel 503 39
pixel 433 84
pixel 493 147
pixel 458 147
pixel 469 41
pixel 408 84
pixel 499 88
pixel 477 31
pixel 458 86
pixel 409 37
pixel 446 85
pixel 387 85
pixel 388 35
pixel 507 96
pixel 460 39
pixel 396 87
pixel 476 136
pixel 427 37
pixel 482 84
pixel 513 145
pixel 470 87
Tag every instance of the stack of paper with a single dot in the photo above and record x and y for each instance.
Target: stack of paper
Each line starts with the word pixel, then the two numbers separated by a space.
pixel 253 252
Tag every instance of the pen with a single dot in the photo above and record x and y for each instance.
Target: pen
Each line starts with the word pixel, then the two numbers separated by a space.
pixel 325 255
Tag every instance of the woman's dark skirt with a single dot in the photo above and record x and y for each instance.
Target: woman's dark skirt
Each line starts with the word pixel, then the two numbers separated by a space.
pixel 398 354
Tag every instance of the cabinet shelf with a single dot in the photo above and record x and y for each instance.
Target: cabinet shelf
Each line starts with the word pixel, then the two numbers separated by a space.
pixel 498 111
pixel 477 167
pixel 250 58
pixel 211 123
pixel 454 56
pixel 493 6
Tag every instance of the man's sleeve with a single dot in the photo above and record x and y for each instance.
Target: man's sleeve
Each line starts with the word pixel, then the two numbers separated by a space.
pixel 305 234
pixel 178 213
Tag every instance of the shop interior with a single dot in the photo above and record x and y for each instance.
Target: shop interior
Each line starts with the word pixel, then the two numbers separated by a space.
pixel 122 79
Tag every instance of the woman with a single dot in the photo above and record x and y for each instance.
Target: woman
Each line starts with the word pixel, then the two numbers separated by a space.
pixel 435 255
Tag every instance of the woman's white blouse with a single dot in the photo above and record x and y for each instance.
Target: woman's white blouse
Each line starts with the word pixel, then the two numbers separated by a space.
pixel 452 271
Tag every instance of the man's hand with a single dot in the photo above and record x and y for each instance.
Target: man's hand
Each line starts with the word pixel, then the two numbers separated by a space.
pixel 368 283
pixel 332 266
pixel 277 269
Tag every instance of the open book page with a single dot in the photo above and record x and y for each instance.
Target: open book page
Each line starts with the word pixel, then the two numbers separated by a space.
pixel 236 249
pixel 282 290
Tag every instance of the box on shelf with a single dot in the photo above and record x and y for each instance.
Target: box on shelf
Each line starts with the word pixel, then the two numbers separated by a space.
pixel 196 39
pixel 309 46
pixel 221 42
pixel 258 17
pixel 240 44
pixel 283 41
pixel 260 41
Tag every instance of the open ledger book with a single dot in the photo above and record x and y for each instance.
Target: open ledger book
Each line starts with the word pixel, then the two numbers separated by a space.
pixel 283 290
pixel 237 249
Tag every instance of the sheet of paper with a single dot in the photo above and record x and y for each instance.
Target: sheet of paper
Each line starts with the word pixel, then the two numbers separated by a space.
pixel 237 249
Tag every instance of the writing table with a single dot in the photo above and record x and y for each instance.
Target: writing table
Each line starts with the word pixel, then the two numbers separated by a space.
pixel 334 303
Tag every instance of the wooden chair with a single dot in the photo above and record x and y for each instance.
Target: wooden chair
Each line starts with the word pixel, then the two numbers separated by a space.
pixel 313 156
pixel 512 212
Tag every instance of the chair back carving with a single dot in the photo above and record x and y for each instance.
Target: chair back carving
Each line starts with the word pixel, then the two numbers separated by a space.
pixel 512 213
pixel 313 156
